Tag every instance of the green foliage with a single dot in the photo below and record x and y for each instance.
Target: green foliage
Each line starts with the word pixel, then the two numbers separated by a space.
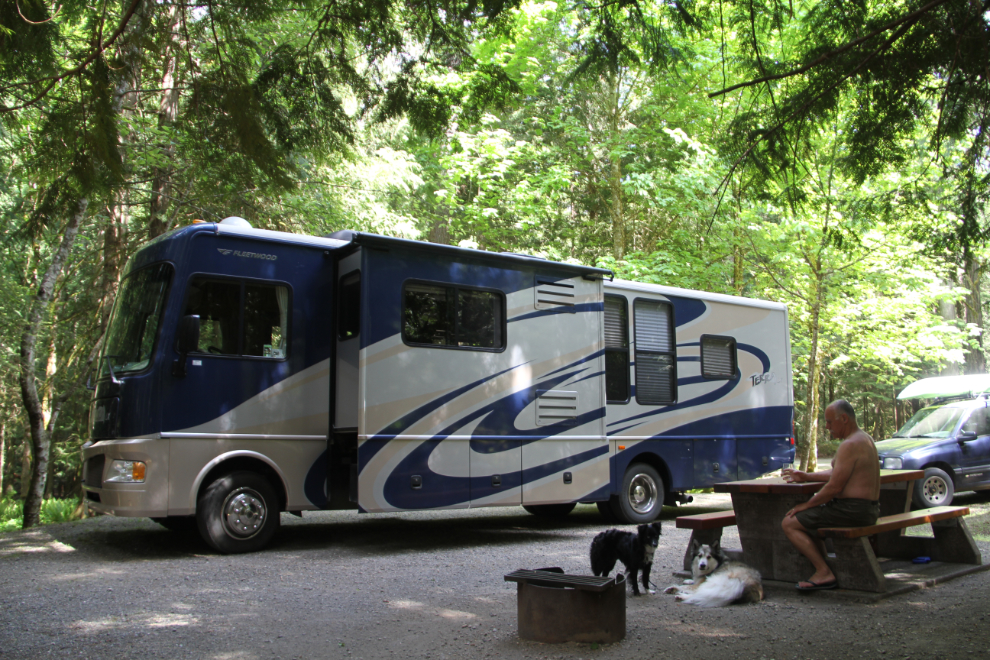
pixel 52 511
pixel 576 132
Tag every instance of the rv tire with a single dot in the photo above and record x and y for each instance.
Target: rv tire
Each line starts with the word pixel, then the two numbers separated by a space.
pixel 641 497
pixel 550 510
pixel 239 512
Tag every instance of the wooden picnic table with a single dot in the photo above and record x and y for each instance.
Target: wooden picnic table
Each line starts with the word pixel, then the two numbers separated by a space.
pixel 760 506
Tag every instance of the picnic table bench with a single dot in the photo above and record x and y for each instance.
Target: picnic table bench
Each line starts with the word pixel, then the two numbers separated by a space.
pixel 855 561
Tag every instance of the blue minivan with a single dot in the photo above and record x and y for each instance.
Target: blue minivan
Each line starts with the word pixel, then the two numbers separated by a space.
pixel 950 441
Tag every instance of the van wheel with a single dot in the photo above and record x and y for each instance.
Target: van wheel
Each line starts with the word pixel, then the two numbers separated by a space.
pixel 641 497
pixel 238 513
pixel 936 489
pixel 550 510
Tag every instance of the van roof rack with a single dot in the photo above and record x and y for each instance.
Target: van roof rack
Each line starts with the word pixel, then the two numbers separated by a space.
pixel 945 387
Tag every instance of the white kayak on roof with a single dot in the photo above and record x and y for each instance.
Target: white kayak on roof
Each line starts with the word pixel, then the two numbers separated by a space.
pixel 944 386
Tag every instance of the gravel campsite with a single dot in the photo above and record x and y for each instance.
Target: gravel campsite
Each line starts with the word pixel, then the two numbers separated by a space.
pixel 423 585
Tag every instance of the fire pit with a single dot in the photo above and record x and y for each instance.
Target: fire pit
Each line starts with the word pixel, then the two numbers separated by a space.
pixel 554 607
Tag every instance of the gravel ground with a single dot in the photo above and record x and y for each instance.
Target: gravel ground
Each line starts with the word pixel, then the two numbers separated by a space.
pixel 420 585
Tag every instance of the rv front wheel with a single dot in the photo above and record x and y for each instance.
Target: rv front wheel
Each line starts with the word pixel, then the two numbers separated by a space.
pixel 641 497
pixel 238 513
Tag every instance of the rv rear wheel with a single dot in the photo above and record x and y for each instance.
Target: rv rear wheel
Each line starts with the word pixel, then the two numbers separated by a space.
pixel 550 510
pixel 238 513
pixel 641 497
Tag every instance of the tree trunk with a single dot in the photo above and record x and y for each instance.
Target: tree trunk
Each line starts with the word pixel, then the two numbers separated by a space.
pixel 25 481
pixel 972 276
pixel 619 239
pixel 947 310
pixel 3 450
pixel 168 110
pixel 738 265
pixel 27 377
pixel 809 462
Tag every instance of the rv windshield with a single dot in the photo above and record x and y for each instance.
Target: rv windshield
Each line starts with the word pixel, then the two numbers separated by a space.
pixel 931 422
pixel 136 318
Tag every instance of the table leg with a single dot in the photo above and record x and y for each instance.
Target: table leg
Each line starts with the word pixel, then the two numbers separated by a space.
pixel 856 564
pixel 951 542
pixel 765 547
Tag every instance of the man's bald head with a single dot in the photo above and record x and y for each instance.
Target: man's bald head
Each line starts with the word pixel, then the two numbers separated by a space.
pixel 840 419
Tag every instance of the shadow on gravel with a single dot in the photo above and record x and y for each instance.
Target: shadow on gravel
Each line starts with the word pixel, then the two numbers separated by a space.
pixel 378 534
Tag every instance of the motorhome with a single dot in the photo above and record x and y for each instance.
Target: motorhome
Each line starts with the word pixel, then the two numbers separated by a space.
pixel 249 372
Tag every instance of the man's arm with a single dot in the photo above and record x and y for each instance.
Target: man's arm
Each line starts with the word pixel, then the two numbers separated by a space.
pixel 799 476
pixel 836 478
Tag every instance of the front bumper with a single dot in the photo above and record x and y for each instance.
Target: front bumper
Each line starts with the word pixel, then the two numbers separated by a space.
pixel 147 499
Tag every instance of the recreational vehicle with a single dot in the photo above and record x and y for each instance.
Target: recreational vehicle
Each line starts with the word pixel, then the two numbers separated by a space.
pixel 249 372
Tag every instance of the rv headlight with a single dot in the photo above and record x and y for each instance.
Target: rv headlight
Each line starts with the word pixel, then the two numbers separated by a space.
pixel 126 472
pixel 892 463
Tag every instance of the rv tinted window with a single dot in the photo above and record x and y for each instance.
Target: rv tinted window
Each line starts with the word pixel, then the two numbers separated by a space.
pixel 349 306
pixel 718 357
pixel 266 311
pixel 137 315
pixel 616 349
pixel 455 317
pixel 656 358
pixel 240 318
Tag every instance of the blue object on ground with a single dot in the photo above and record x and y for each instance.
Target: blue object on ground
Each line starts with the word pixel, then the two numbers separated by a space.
pixel 921 560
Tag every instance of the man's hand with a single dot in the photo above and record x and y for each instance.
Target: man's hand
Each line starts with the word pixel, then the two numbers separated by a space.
pixel 794 476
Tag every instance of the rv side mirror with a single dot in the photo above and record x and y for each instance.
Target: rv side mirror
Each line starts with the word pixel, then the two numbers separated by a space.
pixel 188 340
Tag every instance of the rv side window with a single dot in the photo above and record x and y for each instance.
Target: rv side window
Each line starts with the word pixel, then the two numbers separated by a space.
pixel 240 318
pixel 718 357
pixel 616 349
pixel 349 306
pixel 656 358
pixel 452 316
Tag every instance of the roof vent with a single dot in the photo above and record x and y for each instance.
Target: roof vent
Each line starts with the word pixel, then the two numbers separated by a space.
pixel 236 222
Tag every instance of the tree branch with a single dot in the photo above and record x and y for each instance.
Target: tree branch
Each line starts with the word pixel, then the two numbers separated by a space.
pixel 832 53
pixel 79 69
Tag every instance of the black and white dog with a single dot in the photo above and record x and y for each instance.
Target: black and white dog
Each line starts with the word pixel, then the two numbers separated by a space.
pixel 635 551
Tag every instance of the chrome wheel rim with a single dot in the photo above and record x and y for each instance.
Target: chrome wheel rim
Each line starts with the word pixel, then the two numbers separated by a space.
pixel 642 493
pixel 244 513
pixel 935 490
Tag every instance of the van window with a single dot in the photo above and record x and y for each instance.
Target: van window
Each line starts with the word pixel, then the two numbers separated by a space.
pixel 240 318
pixel 656 357
pixel 616 349
pixel 441 315
pixel 718 357
pixel 978 422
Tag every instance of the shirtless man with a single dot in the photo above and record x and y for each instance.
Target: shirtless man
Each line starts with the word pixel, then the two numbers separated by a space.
pixel 849 498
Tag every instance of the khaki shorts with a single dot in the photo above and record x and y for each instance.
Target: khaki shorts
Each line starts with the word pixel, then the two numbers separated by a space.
pixel 849 512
